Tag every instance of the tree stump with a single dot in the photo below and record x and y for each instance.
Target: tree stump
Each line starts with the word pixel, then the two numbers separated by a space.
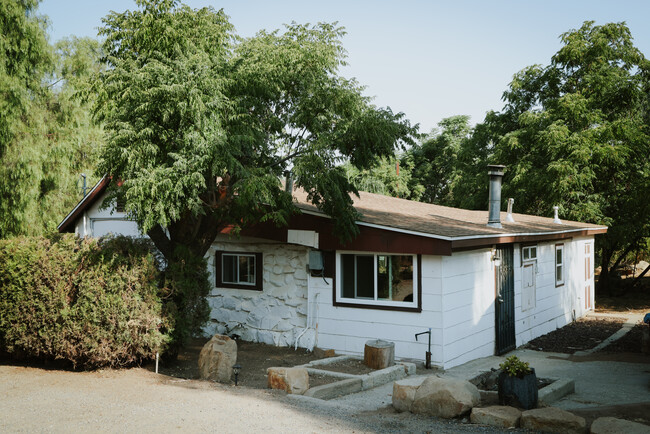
pixel 379 354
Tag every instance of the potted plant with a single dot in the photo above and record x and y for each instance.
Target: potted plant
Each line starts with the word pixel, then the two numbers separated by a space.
pixel 517 384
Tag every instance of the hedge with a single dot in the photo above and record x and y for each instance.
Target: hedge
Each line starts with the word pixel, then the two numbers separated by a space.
pixel 94 303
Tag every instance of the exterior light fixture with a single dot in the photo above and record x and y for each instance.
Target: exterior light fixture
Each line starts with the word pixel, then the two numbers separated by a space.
pixel 496 258
pixel 236 368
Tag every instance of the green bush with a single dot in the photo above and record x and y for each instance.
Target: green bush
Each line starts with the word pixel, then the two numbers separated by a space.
pixel 92 303
pixel 515 367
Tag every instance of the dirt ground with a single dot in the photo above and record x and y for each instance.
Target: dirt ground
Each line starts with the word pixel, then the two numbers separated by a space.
pixel 254 359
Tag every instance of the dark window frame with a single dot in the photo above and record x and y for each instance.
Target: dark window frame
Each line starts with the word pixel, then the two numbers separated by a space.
pixel 259 271
pixel 372 304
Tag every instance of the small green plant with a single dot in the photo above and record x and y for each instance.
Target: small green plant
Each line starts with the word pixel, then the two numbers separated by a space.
pixel 515 367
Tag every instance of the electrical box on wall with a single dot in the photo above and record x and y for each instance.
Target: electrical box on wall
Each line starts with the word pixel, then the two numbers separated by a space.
pixel 315 261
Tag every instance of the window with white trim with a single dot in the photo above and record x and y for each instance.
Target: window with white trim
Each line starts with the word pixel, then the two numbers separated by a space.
pixel 239 270
pixel 529 253
pixel 378 279
pixel 559 265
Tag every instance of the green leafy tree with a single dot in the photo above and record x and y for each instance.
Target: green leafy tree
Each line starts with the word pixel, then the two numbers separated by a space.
pixel 436 160
pixel 52 141
pixel 25 59
pixel 575 134
pixel 391 176
pixel 202 124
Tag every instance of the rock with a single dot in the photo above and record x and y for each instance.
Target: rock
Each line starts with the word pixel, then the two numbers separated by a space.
pixel 291 380
pixel 551 419
pixel 497 415
pixel 611 425
pixel 323 354
pixel 445 397
pixel 404 395
pixel 217 358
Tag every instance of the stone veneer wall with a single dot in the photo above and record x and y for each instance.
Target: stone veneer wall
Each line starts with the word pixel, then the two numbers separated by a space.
pixel 277 315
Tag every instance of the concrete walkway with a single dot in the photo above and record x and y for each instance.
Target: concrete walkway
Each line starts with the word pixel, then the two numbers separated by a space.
pixel 597 383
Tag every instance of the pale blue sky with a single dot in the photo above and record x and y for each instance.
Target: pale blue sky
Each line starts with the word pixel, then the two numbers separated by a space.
pixel 428 59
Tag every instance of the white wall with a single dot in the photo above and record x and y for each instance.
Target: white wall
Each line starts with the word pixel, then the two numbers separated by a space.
pixel 277 315
pixel 468 306
pixel 554 306
pixel 347 329
pixel 96 222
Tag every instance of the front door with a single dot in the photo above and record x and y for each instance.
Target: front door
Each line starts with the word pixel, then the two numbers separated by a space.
pixel 588 277
pixel 505 299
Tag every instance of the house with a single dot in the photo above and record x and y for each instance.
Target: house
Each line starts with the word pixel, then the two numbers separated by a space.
pixel 482 282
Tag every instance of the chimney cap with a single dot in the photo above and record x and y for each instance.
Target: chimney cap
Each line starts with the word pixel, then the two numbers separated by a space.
pixel 496 169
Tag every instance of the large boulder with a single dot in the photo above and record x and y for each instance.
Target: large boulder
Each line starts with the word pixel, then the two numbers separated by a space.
pixel 497 415
pixel 217 359
pixel 291 380
pixel 404 395
pixel 611 425
pixel 445 398
pixel 551 419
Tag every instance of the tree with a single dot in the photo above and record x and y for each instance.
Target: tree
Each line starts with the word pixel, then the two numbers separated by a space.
pixel 202 124
pixel 391 176
pixel 435 160
pixel 575 134
pixel 25 59
pixel 52 139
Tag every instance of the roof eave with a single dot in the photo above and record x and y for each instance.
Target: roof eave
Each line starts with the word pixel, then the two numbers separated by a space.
pixel 85 203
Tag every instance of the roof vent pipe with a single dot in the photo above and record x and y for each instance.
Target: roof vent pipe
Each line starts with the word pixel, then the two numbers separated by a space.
pixel 496 174
pixel 556 219
pixel 509 217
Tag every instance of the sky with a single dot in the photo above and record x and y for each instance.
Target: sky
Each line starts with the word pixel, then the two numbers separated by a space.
pixel 427 59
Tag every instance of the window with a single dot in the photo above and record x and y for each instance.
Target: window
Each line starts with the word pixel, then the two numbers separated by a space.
pixel 559 264
pixel 378 280
pixel 529 253
pixel 239 270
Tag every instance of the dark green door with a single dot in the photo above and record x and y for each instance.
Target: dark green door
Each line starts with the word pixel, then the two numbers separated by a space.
pixel 505 300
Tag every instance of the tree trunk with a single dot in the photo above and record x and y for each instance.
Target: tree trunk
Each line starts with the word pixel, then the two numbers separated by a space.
pixel 603 280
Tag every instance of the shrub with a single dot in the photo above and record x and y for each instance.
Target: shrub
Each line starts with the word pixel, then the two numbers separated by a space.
pixel 515 367
pixel 92 303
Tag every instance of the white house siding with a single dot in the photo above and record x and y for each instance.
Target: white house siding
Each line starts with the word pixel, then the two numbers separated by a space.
pixel 467 306
pixel 347 329
pixel 97 222
pixel 554 306
pixel 277 315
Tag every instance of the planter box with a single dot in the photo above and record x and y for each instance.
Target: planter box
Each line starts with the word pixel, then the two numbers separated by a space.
pixel 518 392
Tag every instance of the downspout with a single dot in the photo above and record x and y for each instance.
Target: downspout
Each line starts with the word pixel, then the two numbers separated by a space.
pixel 310 317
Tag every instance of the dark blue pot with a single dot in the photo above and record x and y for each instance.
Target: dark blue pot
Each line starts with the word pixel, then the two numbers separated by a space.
pixel 518 392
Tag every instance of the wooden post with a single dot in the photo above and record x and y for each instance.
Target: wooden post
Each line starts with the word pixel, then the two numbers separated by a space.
pixel 379 354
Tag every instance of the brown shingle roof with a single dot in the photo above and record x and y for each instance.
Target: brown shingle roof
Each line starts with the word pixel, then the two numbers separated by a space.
pixel 442 221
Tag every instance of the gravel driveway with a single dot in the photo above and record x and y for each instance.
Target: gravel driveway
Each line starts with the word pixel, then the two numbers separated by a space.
pixel 136 400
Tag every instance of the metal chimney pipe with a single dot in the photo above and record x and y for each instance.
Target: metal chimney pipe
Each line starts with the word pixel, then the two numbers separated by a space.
pixel 496 175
